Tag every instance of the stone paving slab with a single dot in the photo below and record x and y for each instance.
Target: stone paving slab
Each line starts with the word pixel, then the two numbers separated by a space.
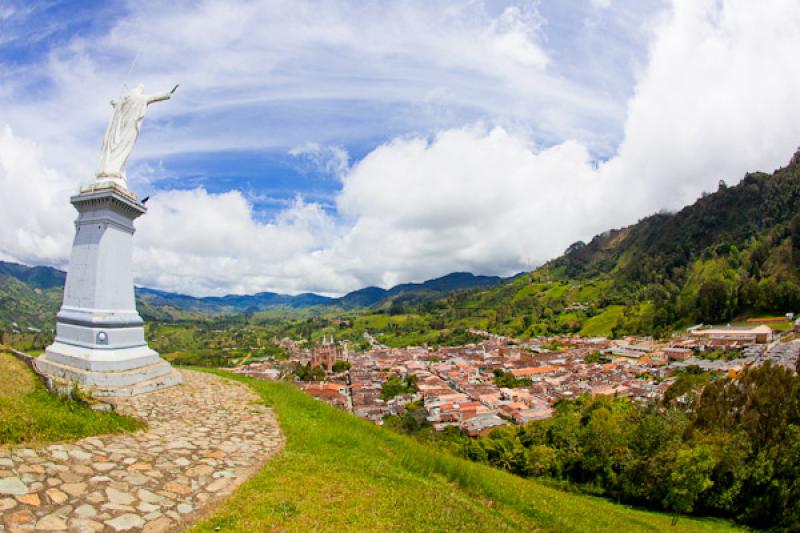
pixel 204 437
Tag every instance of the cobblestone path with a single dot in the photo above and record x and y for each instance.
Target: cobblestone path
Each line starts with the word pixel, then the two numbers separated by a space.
pixel 204 438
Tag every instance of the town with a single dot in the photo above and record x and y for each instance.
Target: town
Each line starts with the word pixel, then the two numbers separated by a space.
pixel 501 380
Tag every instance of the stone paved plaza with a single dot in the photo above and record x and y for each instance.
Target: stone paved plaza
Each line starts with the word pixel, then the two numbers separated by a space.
pixel 204 438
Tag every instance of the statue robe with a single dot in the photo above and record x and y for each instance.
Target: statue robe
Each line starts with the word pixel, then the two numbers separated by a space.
pixel 122 132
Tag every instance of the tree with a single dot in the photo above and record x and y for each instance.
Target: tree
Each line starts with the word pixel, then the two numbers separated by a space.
pixel 574 247
pixel 405 424
pixel 603 441
pixel 341 366
pixel 508 381
pixel 690 477
pixel 592 357
pixel 396 386
pixel 794 232
pixel 308 373
pixel 686 389
pixel 712 301
pixel 504 450
pixel 734 451
pixel 396 309
pixel 541 460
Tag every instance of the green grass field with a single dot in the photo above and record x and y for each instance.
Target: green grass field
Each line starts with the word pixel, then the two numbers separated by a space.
pixel 31 415
pixel 776 326
pixel 530 289
pixel 341 473
pixel 602 324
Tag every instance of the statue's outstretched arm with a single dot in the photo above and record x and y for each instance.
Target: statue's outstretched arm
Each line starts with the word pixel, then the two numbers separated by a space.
pixel 160 97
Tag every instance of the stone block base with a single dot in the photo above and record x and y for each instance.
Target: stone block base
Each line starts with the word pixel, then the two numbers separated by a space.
pixel 104 384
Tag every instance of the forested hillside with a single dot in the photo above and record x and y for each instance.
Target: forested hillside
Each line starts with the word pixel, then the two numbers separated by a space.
pixel 29 297
pixel 713 445
pixel 733 252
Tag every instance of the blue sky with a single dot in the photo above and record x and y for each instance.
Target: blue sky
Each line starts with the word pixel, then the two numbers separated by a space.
pixel 331 145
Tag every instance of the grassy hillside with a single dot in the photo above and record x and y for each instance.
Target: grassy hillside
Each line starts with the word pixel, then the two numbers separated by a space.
pixel 733 253
pixel 340 473
pixel 30 414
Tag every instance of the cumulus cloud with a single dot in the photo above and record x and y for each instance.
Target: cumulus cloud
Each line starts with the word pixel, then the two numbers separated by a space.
pixel 34 220
pixel 718 99
pixel 483 199
pixel 513 34
pixel 715 99
pixel 199 243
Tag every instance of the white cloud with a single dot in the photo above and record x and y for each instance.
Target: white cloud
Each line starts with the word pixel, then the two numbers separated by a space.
pixel 35 215
pixel 471 199
pixel 715 101
pixel 241 63
pixel 202 243
pixel 717 98
pixel 514 33
pixel 332 160
pixel 601 4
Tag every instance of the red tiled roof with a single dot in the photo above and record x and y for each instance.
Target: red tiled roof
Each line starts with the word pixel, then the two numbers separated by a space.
pixel 533 371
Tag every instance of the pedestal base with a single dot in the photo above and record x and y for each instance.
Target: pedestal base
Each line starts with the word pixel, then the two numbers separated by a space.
pixel 154 375
pixel 100 345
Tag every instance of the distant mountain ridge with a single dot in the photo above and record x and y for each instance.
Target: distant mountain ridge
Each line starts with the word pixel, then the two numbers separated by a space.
pixel 39 277
pixel 30 297
pixel 366 297
pixel 418 292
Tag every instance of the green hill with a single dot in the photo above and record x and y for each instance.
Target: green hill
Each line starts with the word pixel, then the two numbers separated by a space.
pixel 32 415
pixel 29 296
pixel 341 473
pixel 734 252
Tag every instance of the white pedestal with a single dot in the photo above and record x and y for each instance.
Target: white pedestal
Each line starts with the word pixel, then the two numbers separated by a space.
pixel 100 344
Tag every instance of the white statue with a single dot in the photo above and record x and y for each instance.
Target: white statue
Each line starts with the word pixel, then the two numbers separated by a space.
pixel 122 132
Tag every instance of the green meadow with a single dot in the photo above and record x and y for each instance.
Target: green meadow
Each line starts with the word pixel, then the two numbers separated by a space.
pixel 341 473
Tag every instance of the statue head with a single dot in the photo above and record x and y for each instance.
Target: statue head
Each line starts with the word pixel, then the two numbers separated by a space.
pixel 138 89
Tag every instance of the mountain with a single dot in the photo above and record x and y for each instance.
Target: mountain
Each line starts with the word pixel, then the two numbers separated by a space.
pixel 228 304
pixel 444 285
pixel 267 300
pixel 733 253
pixel 30 297
pixel 38 277
pixel 414 293
pixel 367 297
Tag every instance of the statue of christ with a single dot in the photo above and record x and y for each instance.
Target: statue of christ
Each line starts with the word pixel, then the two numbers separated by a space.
pixel 122 132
